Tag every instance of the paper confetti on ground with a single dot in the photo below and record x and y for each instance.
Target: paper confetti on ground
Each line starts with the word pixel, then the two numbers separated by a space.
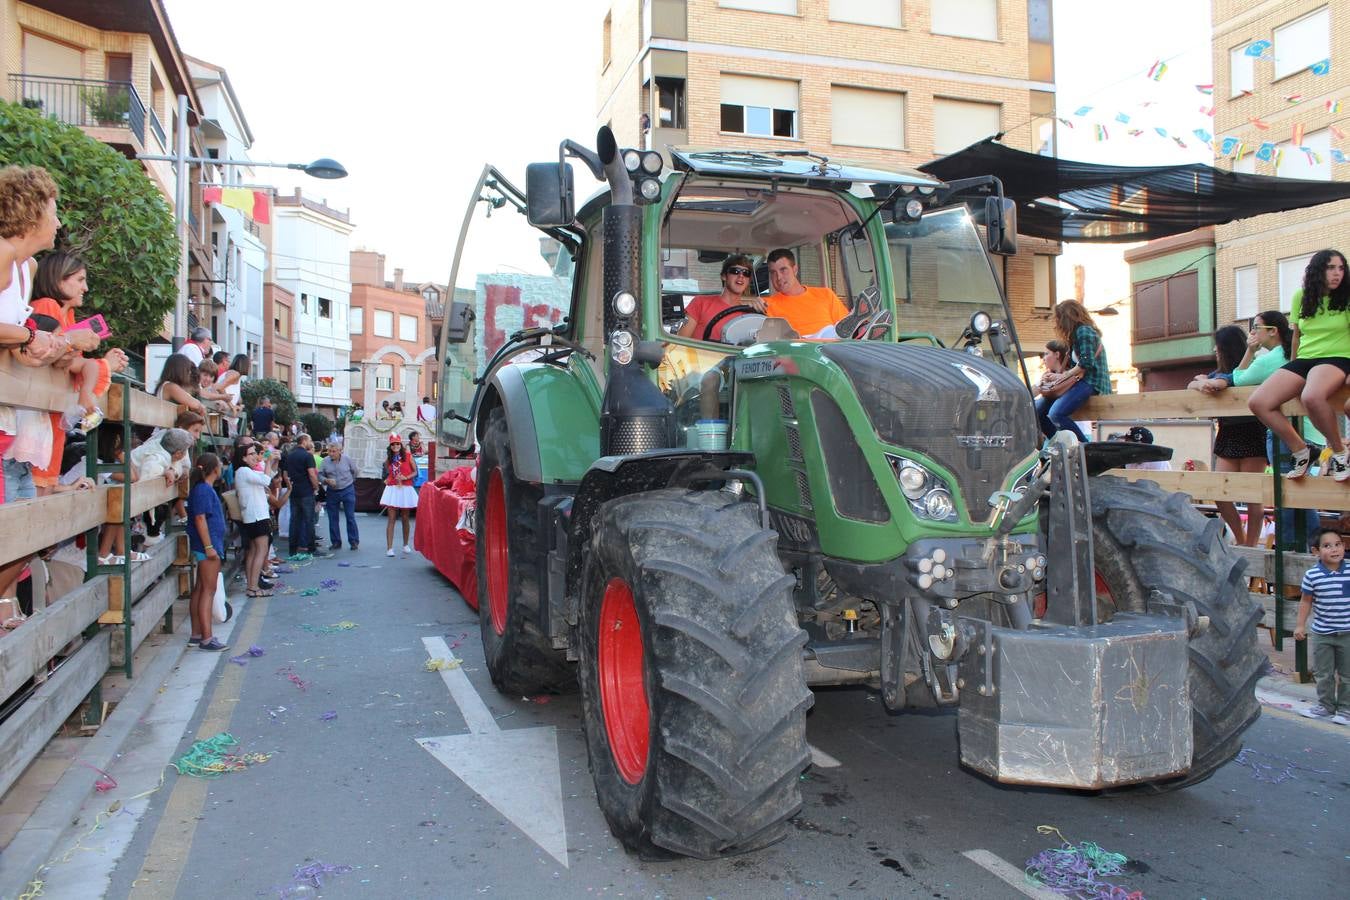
pixel 440 663
pixel 212 758
pixel 335 628
pixel 330 584
pixel 289 672
pixel 328 716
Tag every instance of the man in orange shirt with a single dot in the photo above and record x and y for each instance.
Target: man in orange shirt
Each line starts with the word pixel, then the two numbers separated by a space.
pixel 807 309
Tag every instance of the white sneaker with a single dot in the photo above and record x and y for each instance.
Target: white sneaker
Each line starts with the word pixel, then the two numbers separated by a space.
pixel 1316 711
pixel 1338 465
pixel 389 552
pixel 1301 459
pixel 1341 719
pixel 407 548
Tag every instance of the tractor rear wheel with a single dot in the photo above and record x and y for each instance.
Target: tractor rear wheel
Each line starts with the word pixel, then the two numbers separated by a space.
pixel 693 692
pixel 1146 539
pixel 519 655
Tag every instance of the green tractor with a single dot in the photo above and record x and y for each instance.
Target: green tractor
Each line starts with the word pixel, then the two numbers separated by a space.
pixel 698 533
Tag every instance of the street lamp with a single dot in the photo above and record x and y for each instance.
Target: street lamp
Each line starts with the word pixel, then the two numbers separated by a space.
pixel 314 380
pixel 321 168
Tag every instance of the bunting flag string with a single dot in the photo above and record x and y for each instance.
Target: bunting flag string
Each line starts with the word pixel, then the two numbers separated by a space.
pixel 1206 89
pixel 1157 70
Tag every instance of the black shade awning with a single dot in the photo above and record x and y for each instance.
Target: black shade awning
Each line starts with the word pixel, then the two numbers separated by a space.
pixel 1067 200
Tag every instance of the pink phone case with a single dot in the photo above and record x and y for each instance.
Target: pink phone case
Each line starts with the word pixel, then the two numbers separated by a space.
pixel 94 323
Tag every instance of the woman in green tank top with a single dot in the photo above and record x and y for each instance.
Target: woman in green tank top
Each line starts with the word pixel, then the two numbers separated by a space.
pixel 1320 364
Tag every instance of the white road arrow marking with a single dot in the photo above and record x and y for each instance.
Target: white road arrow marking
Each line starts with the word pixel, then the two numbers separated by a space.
pixel 516 771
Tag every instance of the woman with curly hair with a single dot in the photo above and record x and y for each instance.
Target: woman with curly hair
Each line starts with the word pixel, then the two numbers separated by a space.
pixel 1320 364
pixel 1089 373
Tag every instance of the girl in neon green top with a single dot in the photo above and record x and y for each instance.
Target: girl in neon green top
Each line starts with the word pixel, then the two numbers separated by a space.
pixel 1320 364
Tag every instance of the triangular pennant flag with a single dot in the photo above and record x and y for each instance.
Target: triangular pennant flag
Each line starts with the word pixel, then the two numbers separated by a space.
pixel 1337 155
pixel 1082 111
pixel 1293 98
pixel 1205 88
pixel 1296 134
pixel 1258 123
pixel 1265 151
pixel 1135 132
pixel 1256 48
pixel 1180 143
pixel 1333 106
pixel 1203 135
pixel 1122 118
pixel 1157 70
pixel 1314 158
pixel 1279 158
pixel 262 207
pixel 1162 132
pixel 1229 145
pixel 1065 122
pixel 1101 133
pixel 1321 67
pixel 1337 133
pixel 1242 149
pixel 1207 111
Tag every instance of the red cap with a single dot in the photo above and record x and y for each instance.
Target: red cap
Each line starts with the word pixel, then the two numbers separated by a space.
pixel 395 439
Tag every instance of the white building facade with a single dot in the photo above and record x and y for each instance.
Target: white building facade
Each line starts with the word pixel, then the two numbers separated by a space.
pixel 238 250
pixel 310 257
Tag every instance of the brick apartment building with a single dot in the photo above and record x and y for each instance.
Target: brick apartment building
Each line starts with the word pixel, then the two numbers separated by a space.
pixel 278 343
pixel 1259 261
pixel 391 333
pixel 875 81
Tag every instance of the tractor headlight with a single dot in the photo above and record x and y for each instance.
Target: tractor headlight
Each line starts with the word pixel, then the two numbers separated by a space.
pixel 928 495
pixel 632 160
pixel 625 304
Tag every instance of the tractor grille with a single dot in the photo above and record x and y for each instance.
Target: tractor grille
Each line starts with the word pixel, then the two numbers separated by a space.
pixel 794 439
pixel 972 416
pixel 803 490
pixel 785 401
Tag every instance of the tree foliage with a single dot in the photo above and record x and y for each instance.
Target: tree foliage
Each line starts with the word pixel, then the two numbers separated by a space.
pixel 283 401
pixel 112 216
pixel 317 426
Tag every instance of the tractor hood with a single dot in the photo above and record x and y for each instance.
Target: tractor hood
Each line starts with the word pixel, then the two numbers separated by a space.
pixel 965 412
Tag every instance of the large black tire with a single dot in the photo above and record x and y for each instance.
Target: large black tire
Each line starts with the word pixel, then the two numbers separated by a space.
pixel 1147 539
pixel 520 658
pixel 692 685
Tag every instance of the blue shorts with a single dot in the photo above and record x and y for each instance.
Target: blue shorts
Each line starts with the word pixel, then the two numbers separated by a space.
pixel 200 556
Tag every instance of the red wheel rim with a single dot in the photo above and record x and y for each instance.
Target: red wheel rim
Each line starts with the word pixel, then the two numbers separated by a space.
pixel 623 692
pixel 1101 587
pixel 498 560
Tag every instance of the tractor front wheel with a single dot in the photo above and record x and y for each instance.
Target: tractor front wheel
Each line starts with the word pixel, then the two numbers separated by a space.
pixel 691 674
pixel 1145 540
pixel 519 655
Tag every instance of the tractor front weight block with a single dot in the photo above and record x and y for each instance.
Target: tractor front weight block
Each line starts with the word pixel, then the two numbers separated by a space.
pixel 1088 707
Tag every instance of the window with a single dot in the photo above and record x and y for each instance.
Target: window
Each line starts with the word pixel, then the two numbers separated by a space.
pixel 1043 278
pixel 306 374
pixel 384 323
pixel 1291 278
pixel 959 123
pixel 1246 165
pixel 1167 307
pixel 325 308
pixel 304 304
pixel 358 320
pixel 384 377
pixel 784 7
pixel 431 295
pixel 670 103
pixel 1310 160
pixel 1302 42
pixel 867 12
pixel 281 320
pixel 282 372
pixel 407 328
pixel 1244 288
pixel 966 18
pixel 762 106
pixel 1241 71
pixel 865 118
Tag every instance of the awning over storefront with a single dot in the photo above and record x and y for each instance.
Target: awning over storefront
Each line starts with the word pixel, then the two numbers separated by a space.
pixel 1067 200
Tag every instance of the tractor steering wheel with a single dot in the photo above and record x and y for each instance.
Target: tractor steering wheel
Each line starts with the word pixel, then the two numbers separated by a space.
pixel 738 309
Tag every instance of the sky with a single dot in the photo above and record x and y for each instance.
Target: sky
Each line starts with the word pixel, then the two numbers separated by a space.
pixel 415 101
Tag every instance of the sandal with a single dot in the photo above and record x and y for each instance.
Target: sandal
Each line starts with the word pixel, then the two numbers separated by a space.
pixel 138 556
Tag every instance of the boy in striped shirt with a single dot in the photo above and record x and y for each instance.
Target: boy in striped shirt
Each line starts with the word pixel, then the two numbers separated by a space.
pixel 1326 595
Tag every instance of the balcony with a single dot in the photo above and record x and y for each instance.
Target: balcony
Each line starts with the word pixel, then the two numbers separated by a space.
pixel 83 102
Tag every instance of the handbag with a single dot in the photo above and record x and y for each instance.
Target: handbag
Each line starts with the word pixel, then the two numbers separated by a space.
pixel 232 508
pixel 1062 386
pixel 221 611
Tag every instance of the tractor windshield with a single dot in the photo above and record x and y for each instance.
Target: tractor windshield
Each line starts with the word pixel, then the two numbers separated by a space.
pixel 941 274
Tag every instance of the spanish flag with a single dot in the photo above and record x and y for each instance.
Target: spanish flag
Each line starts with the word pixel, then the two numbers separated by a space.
pixel 257 205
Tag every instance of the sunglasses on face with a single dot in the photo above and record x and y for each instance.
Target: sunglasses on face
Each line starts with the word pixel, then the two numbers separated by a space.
pixel 739 270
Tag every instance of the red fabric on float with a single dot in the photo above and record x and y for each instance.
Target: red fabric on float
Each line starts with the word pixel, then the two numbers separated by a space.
pixel 442 506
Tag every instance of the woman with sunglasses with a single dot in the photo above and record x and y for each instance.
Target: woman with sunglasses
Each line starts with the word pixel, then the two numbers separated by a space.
pixel 737 278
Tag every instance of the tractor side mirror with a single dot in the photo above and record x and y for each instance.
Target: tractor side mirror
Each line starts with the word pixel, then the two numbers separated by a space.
pixel 1000 225
pixel 459 324
pixel 549 194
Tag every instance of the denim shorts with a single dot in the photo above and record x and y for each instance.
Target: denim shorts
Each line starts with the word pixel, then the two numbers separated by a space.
pixel 19 481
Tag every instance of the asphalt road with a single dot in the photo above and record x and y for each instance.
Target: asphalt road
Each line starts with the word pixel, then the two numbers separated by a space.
pixel 896 817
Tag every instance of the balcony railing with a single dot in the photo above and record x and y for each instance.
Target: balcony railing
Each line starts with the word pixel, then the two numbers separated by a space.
pixel 158 129
pixel 82 101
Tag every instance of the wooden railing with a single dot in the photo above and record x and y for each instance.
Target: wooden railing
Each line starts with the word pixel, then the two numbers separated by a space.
pixel 54 661
pixel 1280 569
